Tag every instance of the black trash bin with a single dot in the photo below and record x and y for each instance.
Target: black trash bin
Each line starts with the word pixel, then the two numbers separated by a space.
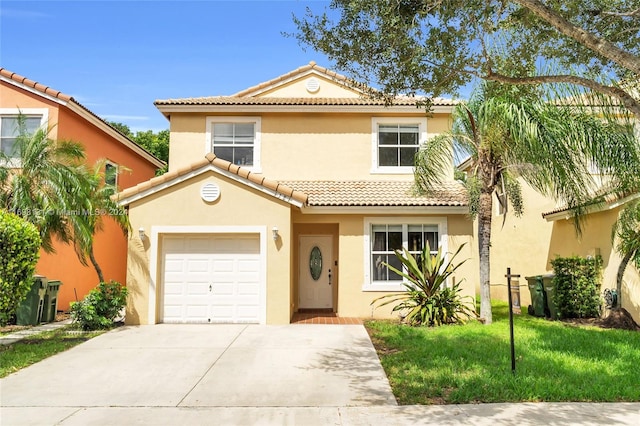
pixel 51 301
pixel 30 309
pixel 550 295
pixel 538 302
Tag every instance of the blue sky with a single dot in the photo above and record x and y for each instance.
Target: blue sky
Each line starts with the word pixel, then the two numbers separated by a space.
pixel 117 57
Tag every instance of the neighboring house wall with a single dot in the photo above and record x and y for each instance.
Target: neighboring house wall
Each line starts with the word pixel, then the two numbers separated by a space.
pixel 529 243
pixel 519 243
pixel 595 239
pixel 110 244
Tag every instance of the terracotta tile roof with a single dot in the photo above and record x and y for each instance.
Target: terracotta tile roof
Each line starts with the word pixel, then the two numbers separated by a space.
pixel 377 193
pixel 310 66
pixel 606 198
pixel 35 85
pixel 211 159
pixel 230 100
pixel 69 99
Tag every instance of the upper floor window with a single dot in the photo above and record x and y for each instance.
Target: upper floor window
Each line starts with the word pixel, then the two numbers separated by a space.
pixel 395 142
pixel 235 139
pixel 10 130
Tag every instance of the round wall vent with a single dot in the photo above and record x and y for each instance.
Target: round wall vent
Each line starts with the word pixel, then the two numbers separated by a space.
pixel 210 192
pixel 313 85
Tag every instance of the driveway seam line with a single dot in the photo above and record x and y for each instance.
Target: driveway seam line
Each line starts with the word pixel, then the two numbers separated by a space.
pixel 211 366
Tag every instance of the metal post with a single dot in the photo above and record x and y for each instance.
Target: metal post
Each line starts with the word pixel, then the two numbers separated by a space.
pixel 513 349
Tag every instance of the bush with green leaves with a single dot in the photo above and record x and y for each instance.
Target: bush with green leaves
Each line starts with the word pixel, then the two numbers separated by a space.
pixel 101 307
pixel 19 251
pixel 577 281
pixel 427 300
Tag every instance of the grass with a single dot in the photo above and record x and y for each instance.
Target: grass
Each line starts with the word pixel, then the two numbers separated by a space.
pixel 471 363
pixel 38 347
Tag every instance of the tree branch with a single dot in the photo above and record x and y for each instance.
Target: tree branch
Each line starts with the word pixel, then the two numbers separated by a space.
pixel 597 44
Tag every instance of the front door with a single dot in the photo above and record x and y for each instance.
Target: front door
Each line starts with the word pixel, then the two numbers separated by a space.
pixel 316 276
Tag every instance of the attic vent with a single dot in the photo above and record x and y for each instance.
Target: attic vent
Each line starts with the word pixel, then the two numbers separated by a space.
pixel 313 85
pixel 210 192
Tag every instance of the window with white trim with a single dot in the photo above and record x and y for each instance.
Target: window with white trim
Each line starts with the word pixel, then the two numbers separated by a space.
pixel 235 139
pixel 395 142
pixel 383 237
pixel 10 128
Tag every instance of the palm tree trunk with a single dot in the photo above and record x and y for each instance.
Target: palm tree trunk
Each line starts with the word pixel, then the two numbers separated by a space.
pixel 484 246
pixel 94 262
pixel 623 266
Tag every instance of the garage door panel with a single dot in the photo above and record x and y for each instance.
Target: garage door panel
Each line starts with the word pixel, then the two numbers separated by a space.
pixel 212 279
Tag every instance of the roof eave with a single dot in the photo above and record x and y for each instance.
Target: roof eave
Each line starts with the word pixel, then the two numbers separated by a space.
pixel 166 110
pixel 408 210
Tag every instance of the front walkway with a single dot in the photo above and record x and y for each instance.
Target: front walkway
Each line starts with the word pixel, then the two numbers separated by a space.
pixel 8 339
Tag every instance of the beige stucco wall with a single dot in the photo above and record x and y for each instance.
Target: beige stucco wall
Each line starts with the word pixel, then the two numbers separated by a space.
pixel 297 88
pixel 520 243
pixel 301 146
pixel 529 243
pixel 596 239
pixel 181 205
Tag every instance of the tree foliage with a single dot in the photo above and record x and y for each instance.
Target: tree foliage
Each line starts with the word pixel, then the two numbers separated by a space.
pixel 156 143
pixel 434 47
pixel 19 248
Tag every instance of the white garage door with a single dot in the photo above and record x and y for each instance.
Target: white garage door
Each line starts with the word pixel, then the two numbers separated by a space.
pixel 211 279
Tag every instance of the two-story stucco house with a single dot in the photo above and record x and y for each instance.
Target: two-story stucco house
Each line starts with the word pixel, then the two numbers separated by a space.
pixel 43 106
pixel 287 196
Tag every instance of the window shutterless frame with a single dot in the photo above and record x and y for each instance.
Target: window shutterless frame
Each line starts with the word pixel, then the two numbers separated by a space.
pixel 236 139
pixel 394 142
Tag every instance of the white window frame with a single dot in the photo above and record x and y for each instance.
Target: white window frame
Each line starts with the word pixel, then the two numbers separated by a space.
pixel 375 122
pixel 443 242
pixel 27 112
pixel 257 121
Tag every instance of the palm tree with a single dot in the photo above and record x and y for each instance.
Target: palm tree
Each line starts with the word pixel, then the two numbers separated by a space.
pixel 97 204
pixel 42 182
pixel 509 134
pixel 47 183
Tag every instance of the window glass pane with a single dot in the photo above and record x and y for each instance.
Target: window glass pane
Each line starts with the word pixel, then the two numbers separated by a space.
pixel 395 240
pixel 223 130
pixel 8 147
pixel 243 156
pixel 379 238
pixel 387 157
pixel 244 130
pixel 415 240
pixel 395 262
pixel 32 124
pixel 407 156
pixel 110 174
pixel 408 138
pixel 385 138
pixel 378 270
pixel 9 126
pixel 432 238
pixel 223 152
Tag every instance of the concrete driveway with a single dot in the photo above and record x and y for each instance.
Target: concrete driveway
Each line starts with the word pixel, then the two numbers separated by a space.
pixel 200 366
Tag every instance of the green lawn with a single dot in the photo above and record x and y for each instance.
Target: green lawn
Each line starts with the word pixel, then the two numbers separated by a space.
pixel 38 347
pixel 471 363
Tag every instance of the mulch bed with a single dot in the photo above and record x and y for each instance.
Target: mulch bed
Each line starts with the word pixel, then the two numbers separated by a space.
pixel 618 318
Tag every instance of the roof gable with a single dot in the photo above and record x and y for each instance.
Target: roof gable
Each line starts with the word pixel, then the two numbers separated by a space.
pixel 69 102
pixel 308 81
pixel 220 166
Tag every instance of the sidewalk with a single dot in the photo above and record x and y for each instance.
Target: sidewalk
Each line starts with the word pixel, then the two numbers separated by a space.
pixel 8 339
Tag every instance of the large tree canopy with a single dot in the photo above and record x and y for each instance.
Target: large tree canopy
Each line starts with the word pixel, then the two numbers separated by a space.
pixel 434 47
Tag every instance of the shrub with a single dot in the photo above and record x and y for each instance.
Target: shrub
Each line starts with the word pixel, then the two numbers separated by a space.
pixel 577 281
pixel 426 300
pixel 19 251
pixel 101 307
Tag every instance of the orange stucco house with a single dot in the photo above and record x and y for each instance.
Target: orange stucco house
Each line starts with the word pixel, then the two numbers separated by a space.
pixel 69 120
